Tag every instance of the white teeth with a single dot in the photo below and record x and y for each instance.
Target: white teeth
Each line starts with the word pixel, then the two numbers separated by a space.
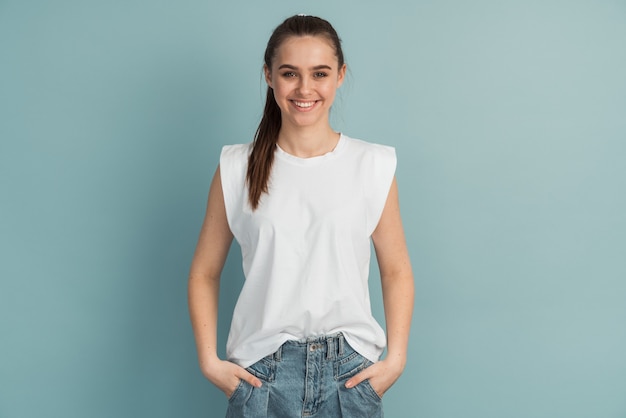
pixel 304 104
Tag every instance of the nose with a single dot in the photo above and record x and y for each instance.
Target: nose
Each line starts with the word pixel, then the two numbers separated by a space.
pixel 304 85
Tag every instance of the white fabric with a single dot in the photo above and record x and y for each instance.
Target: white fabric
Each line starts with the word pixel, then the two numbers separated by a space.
pixel 306 249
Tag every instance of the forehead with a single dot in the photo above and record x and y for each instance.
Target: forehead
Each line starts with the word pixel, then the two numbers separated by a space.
pixel 304 51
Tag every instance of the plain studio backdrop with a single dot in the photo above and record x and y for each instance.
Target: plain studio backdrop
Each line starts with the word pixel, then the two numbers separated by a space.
pixel 509 119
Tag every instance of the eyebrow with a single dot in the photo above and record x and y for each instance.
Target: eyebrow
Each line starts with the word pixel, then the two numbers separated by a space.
pixel 316 68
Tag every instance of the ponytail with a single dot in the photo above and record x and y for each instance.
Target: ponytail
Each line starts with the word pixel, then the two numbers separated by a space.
pixel 262 156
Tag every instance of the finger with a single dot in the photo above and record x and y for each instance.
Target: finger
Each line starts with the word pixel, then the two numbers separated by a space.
pixel 250 378
pixel 357 378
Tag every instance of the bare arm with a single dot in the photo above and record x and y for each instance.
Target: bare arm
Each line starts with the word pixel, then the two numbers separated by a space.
pixel 397 285
pixel 203 291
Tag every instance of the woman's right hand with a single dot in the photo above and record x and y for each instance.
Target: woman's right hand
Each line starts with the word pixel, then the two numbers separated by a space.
pixel 226 375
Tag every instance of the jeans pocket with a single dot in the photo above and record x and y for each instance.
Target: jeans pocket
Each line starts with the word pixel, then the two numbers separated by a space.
pixel 237 390
pixel 368 386
pixel 264 369
pixel 350 365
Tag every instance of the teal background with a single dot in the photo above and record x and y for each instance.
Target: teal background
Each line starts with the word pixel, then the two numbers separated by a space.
pixel 510 123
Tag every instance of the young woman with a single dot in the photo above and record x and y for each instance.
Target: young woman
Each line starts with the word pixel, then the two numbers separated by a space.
pixel 303 202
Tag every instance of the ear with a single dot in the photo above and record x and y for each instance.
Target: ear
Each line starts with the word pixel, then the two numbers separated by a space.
pixel 268 75
pixel 342 75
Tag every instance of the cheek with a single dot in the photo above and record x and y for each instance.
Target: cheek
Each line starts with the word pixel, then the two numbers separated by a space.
pixel 329 91
pixel 280 90
pixel 277 93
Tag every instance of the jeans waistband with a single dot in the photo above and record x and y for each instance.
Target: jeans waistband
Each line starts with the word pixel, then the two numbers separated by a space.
pixel 332 345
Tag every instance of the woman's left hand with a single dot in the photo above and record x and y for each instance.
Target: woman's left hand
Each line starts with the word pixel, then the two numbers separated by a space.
pixel 381 375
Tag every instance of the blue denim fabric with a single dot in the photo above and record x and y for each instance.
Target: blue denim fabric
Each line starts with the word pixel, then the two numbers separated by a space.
pixel 306 379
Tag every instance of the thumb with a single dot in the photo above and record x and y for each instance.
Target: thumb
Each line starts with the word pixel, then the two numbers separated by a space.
pixel 249 378
pixel 357 378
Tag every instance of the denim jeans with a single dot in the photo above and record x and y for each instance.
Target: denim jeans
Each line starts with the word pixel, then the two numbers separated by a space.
pixel 306 379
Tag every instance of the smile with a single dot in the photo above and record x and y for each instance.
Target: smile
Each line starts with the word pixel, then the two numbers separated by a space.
pixel 304 105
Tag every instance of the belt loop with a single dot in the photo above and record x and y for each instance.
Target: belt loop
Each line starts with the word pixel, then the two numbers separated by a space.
pixel 340 340
pixel 278 354
pixel 330 351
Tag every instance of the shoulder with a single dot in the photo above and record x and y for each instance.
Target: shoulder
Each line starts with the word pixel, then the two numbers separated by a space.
pixel 361 147
pixel 234 162
pixel 235 157
pixel 235 151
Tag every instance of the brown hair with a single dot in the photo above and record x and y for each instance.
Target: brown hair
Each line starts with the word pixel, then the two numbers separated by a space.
pixel 262 155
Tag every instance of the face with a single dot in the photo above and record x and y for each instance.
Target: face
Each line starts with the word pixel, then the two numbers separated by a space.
pixel 305 76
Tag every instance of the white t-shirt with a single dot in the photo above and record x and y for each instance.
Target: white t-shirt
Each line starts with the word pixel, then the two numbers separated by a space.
pixel 306 248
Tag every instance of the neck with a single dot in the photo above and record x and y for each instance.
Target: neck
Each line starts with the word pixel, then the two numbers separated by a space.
pixel 307 142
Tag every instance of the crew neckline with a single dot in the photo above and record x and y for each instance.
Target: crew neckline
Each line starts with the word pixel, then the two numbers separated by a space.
pixel 281 153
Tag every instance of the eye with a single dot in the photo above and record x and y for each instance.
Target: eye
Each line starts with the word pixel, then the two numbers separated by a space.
pixel 320 74
pixel 289 74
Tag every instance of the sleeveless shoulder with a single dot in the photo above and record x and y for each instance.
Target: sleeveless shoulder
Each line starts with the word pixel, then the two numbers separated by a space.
pixel 378 167
pixel 233 166
pixel 236 154
pixel 371 147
